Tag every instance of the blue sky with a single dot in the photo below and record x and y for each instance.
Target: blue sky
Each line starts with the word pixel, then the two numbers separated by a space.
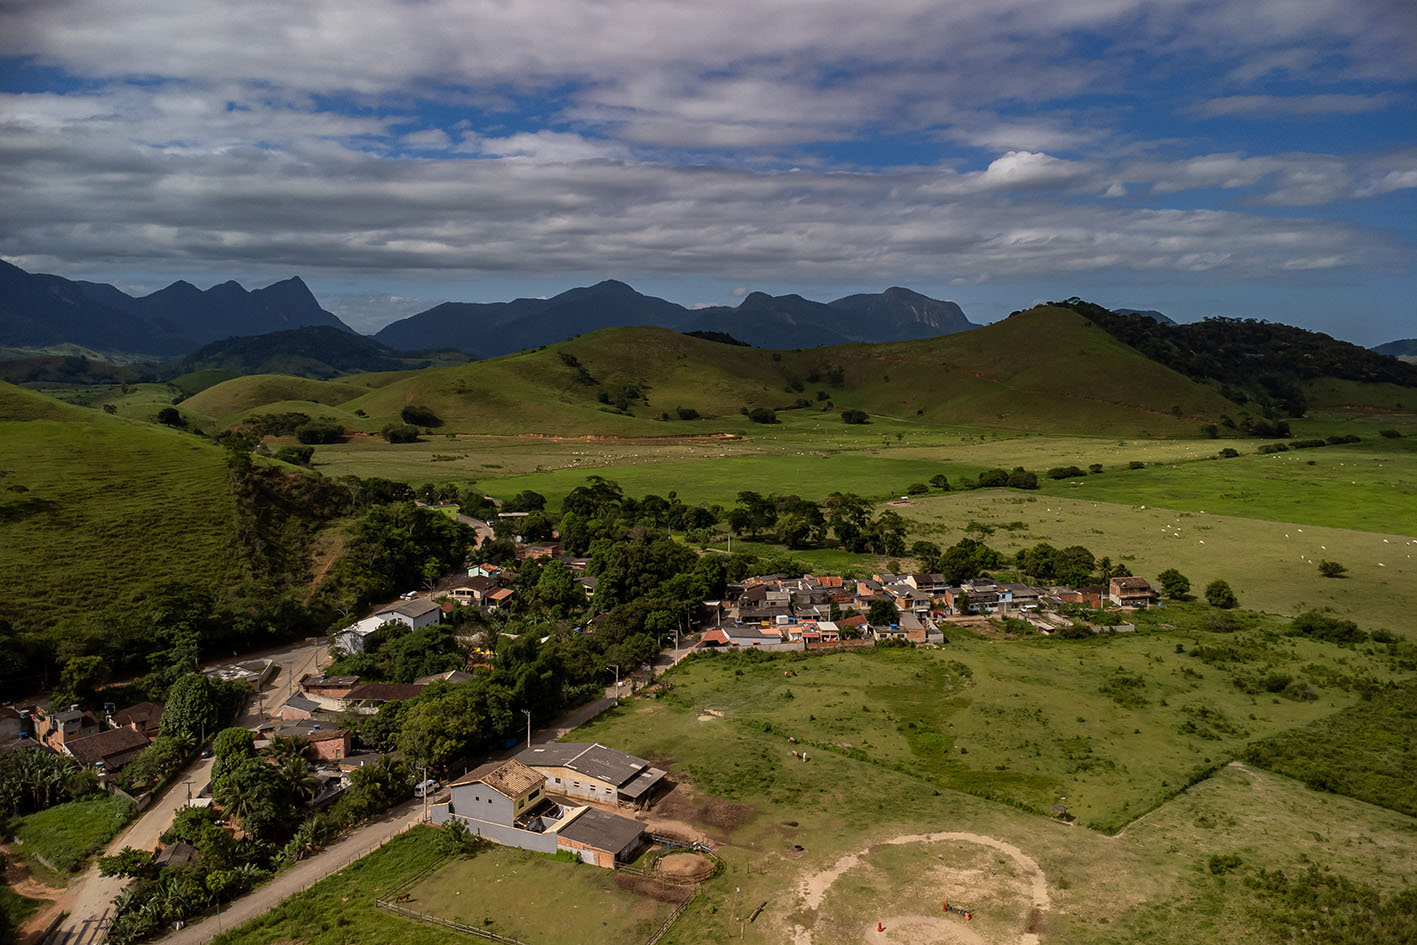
pixel 1198 157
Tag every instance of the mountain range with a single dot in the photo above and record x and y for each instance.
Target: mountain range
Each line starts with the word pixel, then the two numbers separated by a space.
pixel 39 310
pixel 784 321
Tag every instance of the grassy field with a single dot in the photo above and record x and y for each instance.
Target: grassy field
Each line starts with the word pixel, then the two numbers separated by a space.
pixel 98 509
pixel 66 835
pixel 340 910
pixel 508 886
pixel 781 824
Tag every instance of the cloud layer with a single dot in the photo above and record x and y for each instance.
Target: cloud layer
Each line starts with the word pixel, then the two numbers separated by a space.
pixel 961 143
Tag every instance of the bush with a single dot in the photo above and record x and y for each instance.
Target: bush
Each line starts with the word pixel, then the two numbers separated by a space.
pixel 941 482
pixel 420 416
pixel 687 413
pixel 295 455
pixel 763 415
pixel 1136 464
pixel 319 431
pixel 1273 448
pixel 1229 453
pixel 399 433
pixel 917 488
pixel 1021 478
pixel 1312 444
pixel 1390 434
pixel 1219 594
pixel 1065 472
pixel 1331 569
pixel 855 416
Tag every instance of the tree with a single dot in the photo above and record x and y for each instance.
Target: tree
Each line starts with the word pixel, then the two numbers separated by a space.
pixel 1331 569
pixel 79 681
pixel 282 748
pixel 128 862
pixel 855 416
pixel 399 433
pixel 1174 584
pixel 192 709
pixel 230 747
pixel 254 792
pixel 940 481
pixel 763 415
pixel 323 430
pixel 170 417
pixel 882 613
pixel 557 591
pixel 1219 594
pixel 1021 478
pixel 420 416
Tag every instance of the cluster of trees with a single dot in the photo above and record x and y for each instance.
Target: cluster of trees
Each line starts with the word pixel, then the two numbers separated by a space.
pixel 1259 361
pixel 35 779
pixel 801 523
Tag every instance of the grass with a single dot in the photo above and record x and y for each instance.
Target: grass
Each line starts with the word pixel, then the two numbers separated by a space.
pixel 1367 751
pixel 987 719
pixel 19 908
pixel 230 399
pixel 66 835
pixel 509 887
pixel 89 499
pixel 340 910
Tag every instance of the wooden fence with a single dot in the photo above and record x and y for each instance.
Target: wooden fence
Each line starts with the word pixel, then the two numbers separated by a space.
pixel 447 923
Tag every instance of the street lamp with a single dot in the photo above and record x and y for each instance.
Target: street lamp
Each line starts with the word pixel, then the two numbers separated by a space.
pixel 616 667
pixel 527 713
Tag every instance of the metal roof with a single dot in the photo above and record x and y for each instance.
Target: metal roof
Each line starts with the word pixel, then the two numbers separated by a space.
pixel 590 759
pixel 603 830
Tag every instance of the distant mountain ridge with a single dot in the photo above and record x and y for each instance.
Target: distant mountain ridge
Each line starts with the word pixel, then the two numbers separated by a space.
pixel 488 329
pixel 317 351
pixel 1150 313
pixel 1404 348
pixel 38 310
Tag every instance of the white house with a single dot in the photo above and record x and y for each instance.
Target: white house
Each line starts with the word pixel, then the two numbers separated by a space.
pixel 352 639
pixel 417 613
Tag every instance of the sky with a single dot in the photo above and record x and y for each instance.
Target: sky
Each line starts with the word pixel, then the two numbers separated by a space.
pixel 1254 159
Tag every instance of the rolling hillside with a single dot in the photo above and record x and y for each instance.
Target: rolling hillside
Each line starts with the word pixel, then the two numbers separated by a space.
pixel 231 399
pixel 318 351
pixel 1046 369
pixel 86 498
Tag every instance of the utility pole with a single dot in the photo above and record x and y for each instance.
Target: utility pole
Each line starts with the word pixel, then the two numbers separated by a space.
pixel 425 793
pixel 616 667
pixel 527 713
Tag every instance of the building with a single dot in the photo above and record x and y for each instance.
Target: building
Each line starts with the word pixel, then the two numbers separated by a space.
pixel 56 729
pixel 507 801
pixel 1130 592
pixel 145 717
pixel 108 750
pixel 594 772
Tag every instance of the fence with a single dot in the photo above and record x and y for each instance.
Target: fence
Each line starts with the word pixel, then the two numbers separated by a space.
pixel 450 924
pixel 664 926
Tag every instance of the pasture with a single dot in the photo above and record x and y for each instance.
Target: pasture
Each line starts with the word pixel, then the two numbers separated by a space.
pixel 505 890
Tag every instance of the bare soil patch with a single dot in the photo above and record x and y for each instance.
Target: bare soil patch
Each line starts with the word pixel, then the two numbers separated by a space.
pixel 661 892
pixel 686 866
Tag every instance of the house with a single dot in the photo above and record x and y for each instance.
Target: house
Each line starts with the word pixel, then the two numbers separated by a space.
pixel 1130 592
pixel 328 691
pixel 331 745
pixel 588 584
pixel 914 627
pixel 355 637
pixel 253 673
pixel 145 717
pixel 108 750
pixel 594 772
pixel 55 729
pixel 416 614
pixel 473 590
pixel 484 570
pixel 507 801
pixel 13 723
pixel 738 636
pixel 298 708
pixel 366 698
pixel 497 598
pixel 177 854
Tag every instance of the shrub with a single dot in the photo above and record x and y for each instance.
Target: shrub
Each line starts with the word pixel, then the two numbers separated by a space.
pixel 916 488
pixel 855 416
pixel 1065 472
pixel 941 482
pixel 420 416
pixel 1136 464
pixel 687 413
pixel 1273 448
pixel 1219 594
pixel 399 433
pixel 319 431
pixel 1229 453
pixel 1390 434
pixel 763 415
pixel 170 417
pixel 1021 478
pixel 1331 569
pixel 296 455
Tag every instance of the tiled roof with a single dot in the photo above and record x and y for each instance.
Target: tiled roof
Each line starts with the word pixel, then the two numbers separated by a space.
pixel 508 778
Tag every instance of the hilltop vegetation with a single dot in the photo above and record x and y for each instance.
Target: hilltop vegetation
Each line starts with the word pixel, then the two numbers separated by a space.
pixel 316 351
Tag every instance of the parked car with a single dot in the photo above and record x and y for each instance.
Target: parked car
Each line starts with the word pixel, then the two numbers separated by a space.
pixel 425 788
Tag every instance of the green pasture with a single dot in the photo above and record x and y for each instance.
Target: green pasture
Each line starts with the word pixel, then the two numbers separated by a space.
pixel 1107 727
pixel 81 490
pixel 1370 485
pixel 340 910
pixel 510 888
pixel 66 835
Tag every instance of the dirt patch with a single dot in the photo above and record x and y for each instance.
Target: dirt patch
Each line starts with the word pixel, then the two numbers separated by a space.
pixel 686 866
pixel 642 886
pixel 717 812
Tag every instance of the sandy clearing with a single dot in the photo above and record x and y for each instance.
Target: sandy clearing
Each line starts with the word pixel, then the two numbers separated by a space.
pixel 915 929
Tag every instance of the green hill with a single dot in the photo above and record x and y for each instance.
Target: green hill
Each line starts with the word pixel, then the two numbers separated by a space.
pixel 1046 369
pixel 231 399
pixel 96 510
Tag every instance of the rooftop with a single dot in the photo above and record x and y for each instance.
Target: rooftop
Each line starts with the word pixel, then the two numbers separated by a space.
pixel 593 760
pixel 105 745
pixel 602 830
pixel 508 778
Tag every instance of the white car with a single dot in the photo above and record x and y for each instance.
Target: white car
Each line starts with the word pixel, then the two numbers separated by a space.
pixel 425 788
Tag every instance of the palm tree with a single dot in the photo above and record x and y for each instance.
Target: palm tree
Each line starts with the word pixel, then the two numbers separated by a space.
pixel 284 748
pixel 303 784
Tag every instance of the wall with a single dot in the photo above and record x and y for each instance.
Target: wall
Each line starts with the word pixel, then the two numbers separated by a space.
pixel 507 836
